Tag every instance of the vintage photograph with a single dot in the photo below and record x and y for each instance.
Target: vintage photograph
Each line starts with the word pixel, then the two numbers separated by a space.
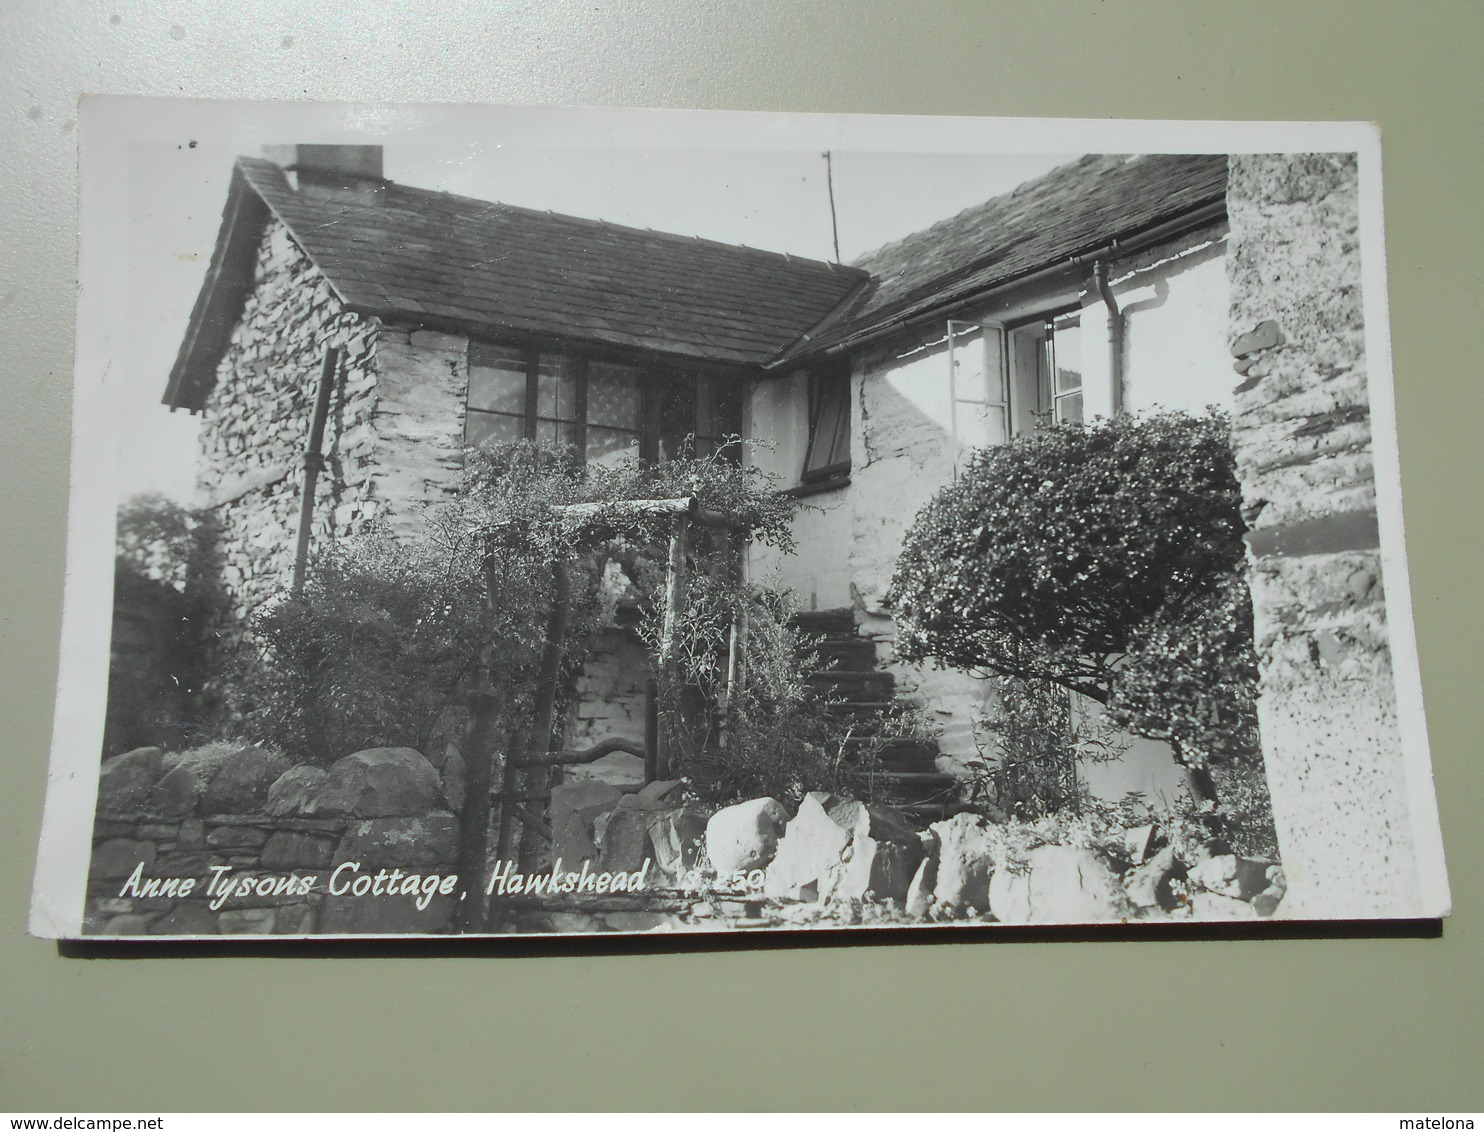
pixel 532 521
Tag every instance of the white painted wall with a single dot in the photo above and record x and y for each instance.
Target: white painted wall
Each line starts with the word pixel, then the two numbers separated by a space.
pixel 1174 302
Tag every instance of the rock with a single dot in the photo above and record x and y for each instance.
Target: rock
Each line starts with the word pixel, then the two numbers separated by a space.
pixel 661 788
pixel 226 838
pixel 182 787
pixel 191 837
pixel 187 919
pixel 119 856
pixel 1137 842
pixel 1253 876
pixel 401 843
pixel 622 834
pixel 1219 874
pixel 920 891
pixel 575 806
pixel 807 862
pixel 637 921
pixel 384 782
pixel 241 785
pixel 745 836
pixel 883 854
pixel 1148 886
pixel 125 781
pixel 1010 897
pixel 1266 903
pixel 964 862
pixel 1213 906
pixel 295 793
pixel 1069 885
pixel 248 921
pixel 677 838
pixel 290 849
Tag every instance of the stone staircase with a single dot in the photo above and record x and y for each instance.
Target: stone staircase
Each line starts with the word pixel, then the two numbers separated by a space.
pixel 905 776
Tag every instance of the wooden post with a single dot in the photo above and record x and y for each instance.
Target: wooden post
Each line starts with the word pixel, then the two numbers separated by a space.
pixel 548 676
pixel 474 819
pixel 675 588
pixel 312 461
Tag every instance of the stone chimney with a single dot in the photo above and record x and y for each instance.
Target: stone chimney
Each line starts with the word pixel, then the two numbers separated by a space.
pixel 343 172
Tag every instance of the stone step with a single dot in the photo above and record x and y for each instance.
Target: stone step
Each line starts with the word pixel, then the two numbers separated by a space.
pixel 895 754
pixel 856 686
pixel 846 654
pixel 826 621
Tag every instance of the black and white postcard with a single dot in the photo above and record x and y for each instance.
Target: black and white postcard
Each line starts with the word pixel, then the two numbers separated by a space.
pixel 498 520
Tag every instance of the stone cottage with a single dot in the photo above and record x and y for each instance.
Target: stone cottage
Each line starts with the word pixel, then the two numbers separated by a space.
pixel 439 321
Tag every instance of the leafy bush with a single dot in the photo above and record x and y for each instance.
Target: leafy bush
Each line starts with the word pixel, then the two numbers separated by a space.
pixel 1106 559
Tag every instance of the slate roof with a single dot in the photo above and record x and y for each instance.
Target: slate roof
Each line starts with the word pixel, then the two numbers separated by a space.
pixel 1071 211
pixel 454 262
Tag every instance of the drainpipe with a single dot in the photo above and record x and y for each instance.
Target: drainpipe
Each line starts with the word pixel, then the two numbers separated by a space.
pixel 1115 332
pixel 313 461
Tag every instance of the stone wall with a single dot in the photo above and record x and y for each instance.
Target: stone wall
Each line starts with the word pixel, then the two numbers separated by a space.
pixel 229 839
pixel 256 423
pixel 1303 437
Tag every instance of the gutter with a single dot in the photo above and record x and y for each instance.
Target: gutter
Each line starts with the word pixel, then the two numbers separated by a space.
pixel 951 304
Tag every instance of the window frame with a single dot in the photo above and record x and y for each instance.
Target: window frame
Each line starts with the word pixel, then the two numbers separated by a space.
pixel 651 374
pixel 1045 416
pixel 821 382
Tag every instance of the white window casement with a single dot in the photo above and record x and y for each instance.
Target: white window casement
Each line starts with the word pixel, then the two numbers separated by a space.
pixel 1048 378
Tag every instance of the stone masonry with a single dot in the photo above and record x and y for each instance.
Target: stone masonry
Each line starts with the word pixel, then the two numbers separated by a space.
pixel 1302 432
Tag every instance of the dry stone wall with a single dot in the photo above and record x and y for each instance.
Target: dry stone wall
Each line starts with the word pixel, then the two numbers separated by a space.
pixel 1302 431
pixel 231 840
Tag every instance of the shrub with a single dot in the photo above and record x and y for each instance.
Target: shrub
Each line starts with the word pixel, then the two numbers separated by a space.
pixel 1106 559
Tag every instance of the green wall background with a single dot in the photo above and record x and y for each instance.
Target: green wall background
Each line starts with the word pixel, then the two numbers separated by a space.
pixel 1378 1023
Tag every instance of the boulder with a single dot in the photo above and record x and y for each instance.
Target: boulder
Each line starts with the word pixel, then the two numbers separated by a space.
pixel 422 842
pixel 295 793
pixel 575 807
pixel 182 786
pixel 883 855
pixel 1137 842
pixel 920 891
pixel 241 784
pixel 1070 885
pixel 1148 885
pixel 964 862
pixel 661 788
pixel 807 863
pixel 677 837
pixel 384 782
pixel 745 836
pixel 622 834
pixel 125 781
pixel 227 838
pixel 1217 874
pixel 839 848
pixel 1010 897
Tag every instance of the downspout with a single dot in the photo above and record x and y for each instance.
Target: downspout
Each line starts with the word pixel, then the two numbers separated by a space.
pixel 313 461
pixel 1115 332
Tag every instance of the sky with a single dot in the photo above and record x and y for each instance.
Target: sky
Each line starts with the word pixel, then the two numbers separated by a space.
pixel 699 180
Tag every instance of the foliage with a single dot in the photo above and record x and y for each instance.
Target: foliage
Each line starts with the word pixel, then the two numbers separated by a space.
pixel 1106 559
pixel 1041 742
pixel 371 653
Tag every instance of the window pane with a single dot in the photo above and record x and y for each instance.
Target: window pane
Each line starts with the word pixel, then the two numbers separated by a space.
pixel 610 446
pixel 675 396
pixel 829 436
pixel 613 395
pixel 556 434
pixel 556 388
pixel 492 428
pixel 497 378
pixel 1068 337
pixel 1069 408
